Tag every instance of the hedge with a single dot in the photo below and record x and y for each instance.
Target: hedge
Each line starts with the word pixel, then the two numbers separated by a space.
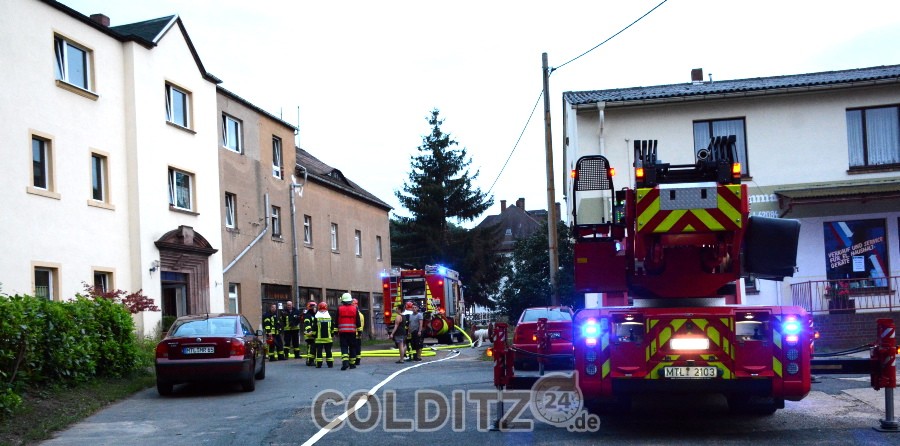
pixel 45 342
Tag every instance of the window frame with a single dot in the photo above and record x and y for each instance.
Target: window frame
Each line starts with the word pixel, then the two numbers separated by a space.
pixel 335 241
pixel 276 221
pixel 173 171
pixel 277 158
pixel 62 68
pixel 357 242
pixel 103 181
pixel 107 278
pixel 45 149
pixel 307 230
pixel 52 281
pixel 229 122
pixel 378 252
pixel 743 155
pixel 866 154
pixel 230 210
pixel 234 296
pixel 187 116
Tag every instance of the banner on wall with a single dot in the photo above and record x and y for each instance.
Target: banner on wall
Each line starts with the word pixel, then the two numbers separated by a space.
pixel 857 249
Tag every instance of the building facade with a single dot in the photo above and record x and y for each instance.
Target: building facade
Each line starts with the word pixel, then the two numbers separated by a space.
pixel 822 148
pixel 131 168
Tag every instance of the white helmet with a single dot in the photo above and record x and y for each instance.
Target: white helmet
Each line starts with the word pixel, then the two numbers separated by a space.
pixel 346 298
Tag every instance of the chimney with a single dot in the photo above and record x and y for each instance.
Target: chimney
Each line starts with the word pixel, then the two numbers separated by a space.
pixel 520 203
pixel 697 75
pixel 502 205
pixel 100 19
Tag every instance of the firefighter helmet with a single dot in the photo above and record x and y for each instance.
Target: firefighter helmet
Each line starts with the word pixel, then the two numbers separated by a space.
pixel 409 305
pixel 355 302
pixel 323 306
pixel 346 298
pixel 311 306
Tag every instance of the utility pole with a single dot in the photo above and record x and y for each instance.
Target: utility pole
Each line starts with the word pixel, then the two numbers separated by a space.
pixel 551 190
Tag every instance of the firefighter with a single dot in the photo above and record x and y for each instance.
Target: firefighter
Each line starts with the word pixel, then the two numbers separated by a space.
pixel 401 330
pixel 323 329
pixel 309 333
pixel 359 331
pixel 347 324
pixel 272 324
pixel 292 321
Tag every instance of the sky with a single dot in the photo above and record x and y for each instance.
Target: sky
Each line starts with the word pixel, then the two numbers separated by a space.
pixel 360 78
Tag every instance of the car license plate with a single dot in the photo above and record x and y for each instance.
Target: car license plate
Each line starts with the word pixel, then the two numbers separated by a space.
pixel 198 350
pixel 555 335
pixel 691 372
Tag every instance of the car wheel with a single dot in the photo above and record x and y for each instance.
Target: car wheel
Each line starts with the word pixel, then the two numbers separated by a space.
pixel 249 384
pixel 164 388
pixel 262 370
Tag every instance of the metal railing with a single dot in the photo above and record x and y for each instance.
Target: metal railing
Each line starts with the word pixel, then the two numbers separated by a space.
pixel 847 295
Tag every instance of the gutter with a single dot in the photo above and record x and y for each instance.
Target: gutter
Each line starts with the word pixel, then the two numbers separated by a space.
pixel 258 237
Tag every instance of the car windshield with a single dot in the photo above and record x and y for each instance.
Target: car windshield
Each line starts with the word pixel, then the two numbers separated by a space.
pixel 552 314
pixel 205 327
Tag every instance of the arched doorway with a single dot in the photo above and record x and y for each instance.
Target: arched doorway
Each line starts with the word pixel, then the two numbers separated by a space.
pixel 184 264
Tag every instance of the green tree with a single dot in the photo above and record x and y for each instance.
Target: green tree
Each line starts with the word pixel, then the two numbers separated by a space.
pixel 528 274
pixel 440 196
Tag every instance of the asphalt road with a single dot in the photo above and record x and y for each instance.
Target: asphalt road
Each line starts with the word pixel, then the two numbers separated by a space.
pixel 442 401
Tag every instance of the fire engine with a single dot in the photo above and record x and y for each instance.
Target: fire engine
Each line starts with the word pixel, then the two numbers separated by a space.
pixel 436 290
pixel 664 260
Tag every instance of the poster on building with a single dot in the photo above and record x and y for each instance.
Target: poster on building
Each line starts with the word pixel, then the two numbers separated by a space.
pixel 857 249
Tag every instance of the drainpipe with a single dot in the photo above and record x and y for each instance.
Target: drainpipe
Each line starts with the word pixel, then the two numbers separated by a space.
pixel 258 237
pixel 296 264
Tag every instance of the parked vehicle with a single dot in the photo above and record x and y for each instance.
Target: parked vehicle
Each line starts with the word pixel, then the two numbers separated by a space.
pixel 559 330
pixel 210 348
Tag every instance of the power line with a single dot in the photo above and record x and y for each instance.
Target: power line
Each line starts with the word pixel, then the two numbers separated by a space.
pixel 610 37
pixel 542 92
pixel 538 101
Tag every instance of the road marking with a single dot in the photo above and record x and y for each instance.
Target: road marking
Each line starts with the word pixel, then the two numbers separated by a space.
pixel 365 399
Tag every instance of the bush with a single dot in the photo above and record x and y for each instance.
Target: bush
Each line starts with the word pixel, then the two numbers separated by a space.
pixel 65 343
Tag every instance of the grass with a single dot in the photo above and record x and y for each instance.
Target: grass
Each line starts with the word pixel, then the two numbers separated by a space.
pixel 48 410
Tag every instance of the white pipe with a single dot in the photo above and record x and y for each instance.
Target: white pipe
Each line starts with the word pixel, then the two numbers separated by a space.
pixel 265 229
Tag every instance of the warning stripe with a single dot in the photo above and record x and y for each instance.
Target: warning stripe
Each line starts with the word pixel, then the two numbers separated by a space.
pixel 725 217
pixel 662 331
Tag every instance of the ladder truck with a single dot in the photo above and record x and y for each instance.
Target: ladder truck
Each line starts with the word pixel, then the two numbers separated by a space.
pixel 662 263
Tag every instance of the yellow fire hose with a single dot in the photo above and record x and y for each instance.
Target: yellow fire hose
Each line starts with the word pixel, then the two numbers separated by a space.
pixel 429 351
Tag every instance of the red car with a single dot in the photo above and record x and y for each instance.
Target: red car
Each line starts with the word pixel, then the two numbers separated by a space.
pixel 210 348
pixel 559 326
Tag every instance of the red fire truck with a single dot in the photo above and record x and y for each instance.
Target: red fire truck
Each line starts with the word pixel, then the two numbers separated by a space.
pixel 662 262
pixel 436 290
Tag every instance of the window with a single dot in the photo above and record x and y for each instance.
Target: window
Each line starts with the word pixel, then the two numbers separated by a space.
pixel 99 181
pixel 334 237
pixel 102 281
pixel 276 221
pixel 231 133
pixel 230 206
pixel 40 160
pixel 277 170
pixel 44 280
pixel 178 106
pixel 706 130
pixel 378 248
pixel 357 243
pixel 180 189
pixel 307 229
pixel 73 63
pixel 873 136
pixel 233 293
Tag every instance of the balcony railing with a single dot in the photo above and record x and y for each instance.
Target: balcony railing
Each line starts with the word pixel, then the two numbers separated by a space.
pixel 847 295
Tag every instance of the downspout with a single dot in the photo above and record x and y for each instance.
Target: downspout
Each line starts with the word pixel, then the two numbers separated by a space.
pixel 296 263
pixel 258 237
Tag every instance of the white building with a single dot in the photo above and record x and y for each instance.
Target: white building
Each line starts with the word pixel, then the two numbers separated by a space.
pixel 111 160
pixel 823 148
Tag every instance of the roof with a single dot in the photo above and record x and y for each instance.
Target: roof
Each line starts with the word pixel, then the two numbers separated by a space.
pixel 247 103
pixel 738 87
pixel 147 33
pixel 333 178
pixel 840 192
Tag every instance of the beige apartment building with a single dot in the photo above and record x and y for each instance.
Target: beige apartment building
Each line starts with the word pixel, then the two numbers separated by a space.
pixel 293 228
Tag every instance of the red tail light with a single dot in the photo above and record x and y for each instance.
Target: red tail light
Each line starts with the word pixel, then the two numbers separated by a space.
pixel 162 350
pixel 237 347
